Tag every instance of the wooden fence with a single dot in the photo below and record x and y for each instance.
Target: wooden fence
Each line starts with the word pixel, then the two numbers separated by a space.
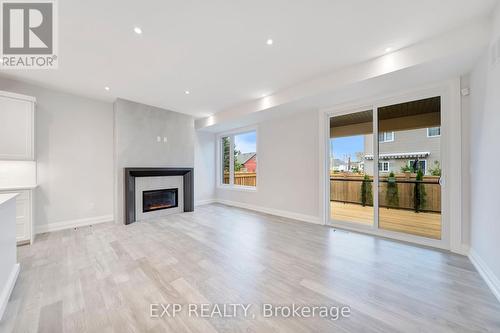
pixel 242 178
pixel 346 188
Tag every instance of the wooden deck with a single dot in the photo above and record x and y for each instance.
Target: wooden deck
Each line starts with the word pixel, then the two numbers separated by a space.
pixel 406 221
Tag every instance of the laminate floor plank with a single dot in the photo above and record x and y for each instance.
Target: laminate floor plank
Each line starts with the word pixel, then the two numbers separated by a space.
pixel 104 278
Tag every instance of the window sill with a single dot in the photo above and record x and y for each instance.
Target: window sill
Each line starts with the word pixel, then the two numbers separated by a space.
pixel 237 188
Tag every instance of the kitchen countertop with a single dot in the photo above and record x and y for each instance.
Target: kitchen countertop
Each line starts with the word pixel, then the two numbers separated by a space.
pixel 6 197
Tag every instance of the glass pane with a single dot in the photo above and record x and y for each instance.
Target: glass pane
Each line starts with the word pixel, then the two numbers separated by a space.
pixel 410 168
pixel 245 159
pixel 351 168
pixel 226 147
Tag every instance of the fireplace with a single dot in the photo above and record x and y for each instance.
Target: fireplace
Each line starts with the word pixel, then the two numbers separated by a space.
pixel 139 180
pixel 159 199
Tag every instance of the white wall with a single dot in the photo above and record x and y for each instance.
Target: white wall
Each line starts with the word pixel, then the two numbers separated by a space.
pixel 288 168
pixel 74 153
pixel 204 167
pixel 136 128
pixel 485 159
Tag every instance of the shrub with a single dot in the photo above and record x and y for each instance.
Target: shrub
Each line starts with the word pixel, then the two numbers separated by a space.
pixel 366 192
pixel 392 195
pixel 436 170
pixel 419 192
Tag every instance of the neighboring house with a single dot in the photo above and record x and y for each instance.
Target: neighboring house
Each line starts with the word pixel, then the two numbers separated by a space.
pixel 343 166
pixel 337 165
pixel 402 148
pixel 248 162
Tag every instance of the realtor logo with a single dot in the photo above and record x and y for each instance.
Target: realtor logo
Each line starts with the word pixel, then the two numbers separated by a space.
pixel 28 34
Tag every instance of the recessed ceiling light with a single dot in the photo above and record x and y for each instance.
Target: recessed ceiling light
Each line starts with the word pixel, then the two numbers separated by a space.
pixel 187 92
pixel 389 49
pixel 138 30
pixel 269 41
pixel 106 88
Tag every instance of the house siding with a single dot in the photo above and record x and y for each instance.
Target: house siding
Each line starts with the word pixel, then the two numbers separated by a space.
pixel 415 140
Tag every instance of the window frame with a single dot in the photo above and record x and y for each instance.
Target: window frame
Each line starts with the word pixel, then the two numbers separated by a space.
pixel 410 162
pixel 382 163
pixel 433 136
pixel 220 156
pixel 384 138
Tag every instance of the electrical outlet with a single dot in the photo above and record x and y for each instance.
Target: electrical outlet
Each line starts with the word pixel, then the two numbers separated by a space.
pixel 164 139
pixel 158 138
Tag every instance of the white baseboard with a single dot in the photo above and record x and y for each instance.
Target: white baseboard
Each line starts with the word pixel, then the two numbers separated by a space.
pixel 204 202
pixel 462 249
pixel 72 224
pixel 486 273
pixel 272 211
pixel 7 290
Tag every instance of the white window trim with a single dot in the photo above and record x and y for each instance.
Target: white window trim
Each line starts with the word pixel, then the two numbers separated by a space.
pixel 231 135
pixel 433 136
pixel 383 134
pixel 385 163
pixel 452 226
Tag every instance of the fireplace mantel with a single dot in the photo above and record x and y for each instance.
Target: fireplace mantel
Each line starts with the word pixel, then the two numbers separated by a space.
pixel 132 173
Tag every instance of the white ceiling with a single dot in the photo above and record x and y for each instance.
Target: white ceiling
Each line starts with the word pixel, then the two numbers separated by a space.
pixel 217 49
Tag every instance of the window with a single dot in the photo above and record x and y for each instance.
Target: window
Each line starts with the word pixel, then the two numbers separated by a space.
pixel 384 166
pixel 421 165
pixel 238 163
pixel 385 137
pixel 433 131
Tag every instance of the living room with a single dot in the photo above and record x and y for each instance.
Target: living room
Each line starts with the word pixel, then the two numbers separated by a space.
pixel 265 166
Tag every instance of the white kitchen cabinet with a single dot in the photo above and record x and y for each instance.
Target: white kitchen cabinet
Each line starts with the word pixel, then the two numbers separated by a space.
pixel 24 215
pixel 17 127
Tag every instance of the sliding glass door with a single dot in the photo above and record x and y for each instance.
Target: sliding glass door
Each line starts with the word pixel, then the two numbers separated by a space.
pixel 385 168
pixel 351 179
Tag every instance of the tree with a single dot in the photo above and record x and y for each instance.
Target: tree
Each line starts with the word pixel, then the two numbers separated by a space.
pixel 360 156
pixel 419 194
pixel 366 192
pixel 392 195
pixel 227 147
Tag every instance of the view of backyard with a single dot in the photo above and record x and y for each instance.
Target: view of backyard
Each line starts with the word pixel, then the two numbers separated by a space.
pixel 244 158
pixel 409 168
pixel 351 200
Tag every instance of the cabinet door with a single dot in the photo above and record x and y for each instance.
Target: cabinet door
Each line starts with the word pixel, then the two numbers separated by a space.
pixel 22 220
pixel 16 129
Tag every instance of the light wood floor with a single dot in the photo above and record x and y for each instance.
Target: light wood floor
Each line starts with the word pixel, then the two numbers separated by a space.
pixel 406 221
pixel 103 278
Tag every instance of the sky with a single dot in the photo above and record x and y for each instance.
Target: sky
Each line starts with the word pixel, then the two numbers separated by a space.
pixel 246 142
pixel 349 145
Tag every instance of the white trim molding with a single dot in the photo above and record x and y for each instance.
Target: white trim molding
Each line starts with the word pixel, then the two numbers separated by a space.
pixel 272 211
pixel 219 156
pixel 56 226
pixel 7 290
pixel 204 202
pixel 486 273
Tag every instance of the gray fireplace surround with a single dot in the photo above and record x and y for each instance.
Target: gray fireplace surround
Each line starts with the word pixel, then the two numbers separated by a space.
pixel 132 173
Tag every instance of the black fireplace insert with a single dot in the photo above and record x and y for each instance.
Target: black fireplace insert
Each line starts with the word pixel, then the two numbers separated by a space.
pixel 159 199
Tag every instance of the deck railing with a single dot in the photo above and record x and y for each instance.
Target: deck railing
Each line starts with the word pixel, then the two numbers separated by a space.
pixel 346 187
